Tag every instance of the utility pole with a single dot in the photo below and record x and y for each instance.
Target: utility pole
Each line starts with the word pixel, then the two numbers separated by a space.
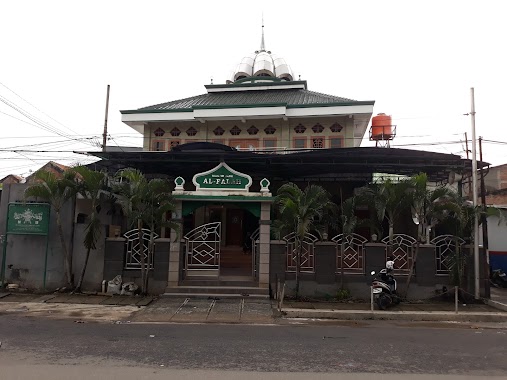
pixel 474 200
pixel 468 156
pixel 485 241
pixel 104 135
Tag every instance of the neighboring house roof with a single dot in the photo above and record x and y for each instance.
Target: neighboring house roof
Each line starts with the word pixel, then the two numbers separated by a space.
pixel 11 178
pixel 288 97
pixel 51 166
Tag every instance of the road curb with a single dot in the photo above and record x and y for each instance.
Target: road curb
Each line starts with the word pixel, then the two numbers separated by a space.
pixel 496 304
pixel 396 316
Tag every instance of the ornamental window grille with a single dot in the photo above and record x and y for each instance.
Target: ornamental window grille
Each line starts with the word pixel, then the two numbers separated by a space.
pixel 218 131
pixel 235 131
pixel 448 252
pixel 300 128
pixel 175 132
pixel 307 259
pixel 336 128
pixel 318 142
pixel 318 128
pixel 159 132
pixel 253 130
pixel 270 130
pixel 139 250
pixel 401 251
pixel 174 143
pixel 191 131
pixel 352 259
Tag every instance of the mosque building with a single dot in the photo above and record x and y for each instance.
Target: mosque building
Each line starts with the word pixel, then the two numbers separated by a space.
pixel 228 150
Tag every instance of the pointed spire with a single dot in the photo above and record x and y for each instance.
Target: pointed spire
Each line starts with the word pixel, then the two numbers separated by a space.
pixel 263 47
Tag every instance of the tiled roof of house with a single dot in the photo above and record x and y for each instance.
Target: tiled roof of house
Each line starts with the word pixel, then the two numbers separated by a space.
pixel 288 97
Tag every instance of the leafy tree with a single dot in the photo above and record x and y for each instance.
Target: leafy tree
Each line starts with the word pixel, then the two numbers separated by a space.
pixel 144 202
pixel 57 191
pixel 94 186
pixel 301 212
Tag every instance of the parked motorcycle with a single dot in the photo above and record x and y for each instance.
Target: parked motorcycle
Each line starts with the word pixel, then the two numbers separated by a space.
pixel 384 287
pixel 499 278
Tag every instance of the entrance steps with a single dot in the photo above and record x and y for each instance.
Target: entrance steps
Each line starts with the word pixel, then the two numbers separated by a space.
pixel 217 288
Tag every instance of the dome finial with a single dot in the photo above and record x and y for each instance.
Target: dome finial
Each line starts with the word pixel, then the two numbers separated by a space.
pixel 263 48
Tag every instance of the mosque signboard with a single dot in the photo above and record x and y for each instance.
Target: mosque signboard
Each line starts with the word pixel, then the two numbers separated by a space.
pixel 28 218
pixel 222 177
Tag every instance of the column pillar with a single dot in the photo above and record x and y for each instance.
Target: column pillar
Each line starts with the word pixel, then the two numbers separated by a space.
pixel 264 244
pixel 175 247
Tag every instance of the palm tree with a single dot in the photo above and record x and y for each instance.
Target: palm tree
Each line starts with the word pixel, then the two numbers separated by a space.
pixel 91 185
pixel 389 199
pixel 301 212
pixel 144 202
pixel 429 207
pixel 348 222
pixel 57 191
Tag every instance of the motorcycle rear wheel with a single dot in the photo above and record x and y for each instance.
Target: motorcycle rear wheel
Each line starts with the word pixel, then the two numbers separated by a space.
pixel 383 301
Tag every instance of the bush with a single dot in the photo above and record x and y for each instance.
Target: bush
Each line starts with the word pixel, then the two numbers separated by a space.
pixel 342 294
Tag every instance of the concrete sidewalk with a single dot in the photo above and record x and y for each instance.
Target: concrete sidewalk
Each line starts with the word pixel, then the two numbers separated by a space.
pixel 106 308
pixel 403 312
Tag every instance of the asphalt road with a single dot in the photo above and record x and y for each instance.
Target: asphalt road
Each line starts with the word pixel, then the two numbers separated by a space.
pixel 32 344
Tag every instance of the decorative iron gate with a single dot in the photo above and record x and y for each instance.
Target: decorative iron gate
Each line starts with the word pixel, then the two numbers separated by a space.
pixel 352 260
pixel 307 252
pixel 447 252
pixel 255 250
pixel 137 249
pixel 402 252
pixel 202 250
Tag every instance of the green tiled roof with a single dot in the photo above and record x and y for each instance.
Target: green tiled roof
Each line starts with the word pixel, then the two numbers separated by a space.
pixel 254 98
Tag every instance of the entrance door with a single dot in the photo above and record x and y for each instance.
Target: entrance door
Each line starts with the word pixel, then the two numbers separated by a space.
pixel 234 227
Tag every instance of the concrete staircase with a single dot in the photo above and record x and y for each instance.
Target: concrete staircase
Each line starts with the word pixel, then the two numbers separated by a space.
pixel 218 287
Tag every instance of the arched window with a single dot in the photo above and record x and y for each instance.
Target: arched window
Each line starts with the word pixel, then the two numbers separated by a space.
pixel 317 128
pixel 175 132
pixel 336 128
pixel 218 131
pixel 191 131
pixel 235 130
pixel 159 132
pixel 300 128
pixel 270 130
pixel 253 130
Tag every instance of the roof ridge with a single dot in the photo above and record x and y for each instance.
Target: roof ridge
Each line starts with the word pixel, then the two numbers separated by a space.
pixel 172 102
pixel 331 96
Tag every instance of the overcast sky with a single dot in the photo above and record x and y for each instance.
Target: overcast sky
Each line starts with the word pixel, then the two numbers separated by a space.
pixel 416 59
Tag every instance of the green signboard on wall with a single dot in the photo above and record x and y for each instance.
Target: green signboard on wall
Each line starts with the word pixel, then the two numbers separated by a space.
pixel 28 218
pixel 222 177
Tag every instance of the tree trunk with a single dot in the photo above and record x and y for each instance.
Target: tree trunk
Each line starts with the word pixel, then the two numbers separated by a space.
pixel 83 271
pixel 411 272
pixel 391 237
pixel 298 266
pixel 85 264
pixel 66 258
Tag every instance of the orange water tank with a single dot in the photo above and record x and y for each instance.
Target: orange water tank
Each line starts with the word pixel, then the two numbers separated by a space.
pixel 381 127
